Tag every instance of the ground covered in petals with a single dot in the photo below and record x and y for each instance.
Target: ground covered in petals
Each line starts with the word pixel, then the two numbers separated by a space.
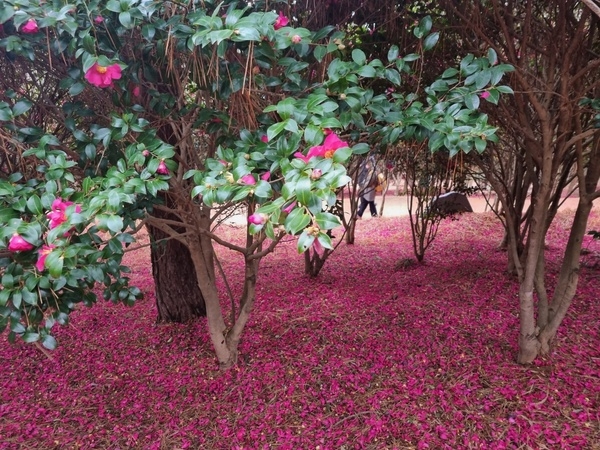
pixel 373 354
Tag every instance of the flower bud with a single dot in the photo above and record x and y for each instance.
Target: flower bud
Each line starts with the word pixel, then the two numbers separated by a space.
pixel 247 179
pixel 316 174
pixel 258 218
pixel 162 169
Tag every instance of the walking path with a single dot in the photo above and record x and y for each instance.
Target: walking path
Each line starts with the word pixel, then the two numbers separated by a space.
pixel 396 205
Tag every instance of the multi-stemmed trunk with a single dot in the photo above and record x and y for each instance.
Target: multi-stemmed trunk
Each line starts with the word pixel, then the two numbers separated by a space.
pixel 225 339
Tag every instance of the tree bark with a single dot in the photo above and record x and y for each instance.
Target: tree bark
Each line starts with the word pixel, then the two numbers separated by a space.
pixel 178 298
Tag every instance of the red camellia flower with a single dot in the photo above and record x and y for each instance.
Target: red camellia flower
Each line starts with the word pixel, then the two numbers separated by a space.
pixel 258 218
pixel 43 253
pixel 162 169
pixel 57 214
pixel 281 21
pixel 264 138
pixel 331 144
pixel 103 76
pixel 98 19
pixel 30 27
pixel 18 244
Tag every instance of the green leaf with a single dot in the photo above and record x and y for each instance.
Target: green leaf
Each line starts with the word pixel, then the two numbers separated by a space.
pixel 482 79
pixel 319 52
pixel 431 40
pixel 366 72
pixel 303 186
pixel 393 53
pixel 246 34
pixel 472 101
pixel 342 155
pixel 296 221
pixel 305 241
pixel 274 130
pixel 114 223
pixel 449 73
pixel 505 89
pixel 359 57
pixel 492 57
pixel 7 11
pixel 263 189
pixel 21 107
pixel 125 19
pixel 393 76
pixel 30 337
pixel 49 342
pixel 34 204
pixel 325 241
pixel 480 145
pixel 361 148
pixel 54 263
pixel 313 135
pixel 76 89
pixel 7 281
pixel 327 221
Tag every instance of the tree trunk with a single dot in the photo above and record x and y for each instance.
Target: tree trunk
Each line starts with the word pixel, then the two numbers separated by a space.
pixel 201 247
pixel 529 345
pixel 178 298
pixel 568 277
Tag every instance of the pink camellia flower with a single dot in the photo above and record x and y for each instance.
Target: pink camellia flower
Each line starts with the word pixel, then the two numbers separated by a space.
pixel 258 218
pixel 265 176
pixel 281 21
pixel 247 179
pixel 288 209
pixel 146 153
pixel 98 19
pixel 316 174
pixel 103 76
pixel 40 265
pixel 296 39
pixel 57 214
pixel 136 91
pixel 162 169
pixel 264 138
pixel 329 147
pixel 484 95
pixel 18 244
pixel 30 27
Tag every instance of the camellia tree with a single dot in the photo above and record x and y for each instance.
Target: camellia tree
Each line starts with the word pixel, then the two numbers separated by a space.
pixel 146 131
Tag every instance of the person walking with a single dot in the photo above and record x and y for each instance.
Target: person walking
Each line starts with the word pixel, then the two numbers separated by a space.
pixel 368 191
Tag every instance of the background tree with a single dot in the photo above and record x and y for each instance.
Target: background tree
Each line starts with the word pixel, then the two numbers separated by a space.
pixel 551 139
